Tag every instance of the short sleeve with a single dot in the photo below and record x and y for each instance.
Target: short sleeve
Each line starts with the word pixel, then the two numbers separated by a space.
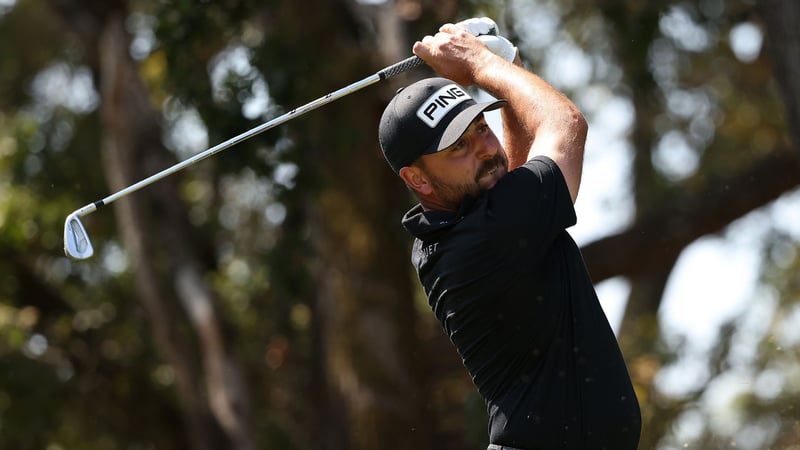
pixel 534 196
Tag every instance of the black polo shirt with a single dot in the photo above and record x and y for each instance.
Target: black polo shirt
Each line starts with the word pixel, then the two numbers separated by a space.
pixel 511 290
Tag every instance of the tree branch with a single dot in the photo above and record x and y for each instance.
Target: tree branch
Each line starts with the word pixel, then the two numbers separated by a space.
pixel 653 242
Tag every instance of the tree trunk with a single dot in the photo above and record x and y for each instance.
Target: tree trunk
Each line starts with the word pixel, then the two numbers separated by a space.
pixel 364 309
pixel 216 415
pixel 783 41
pixel 124 119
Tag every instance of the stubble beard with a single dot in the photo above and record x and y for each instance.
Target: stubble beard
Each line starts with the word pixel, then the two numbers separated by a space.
pixel 454 193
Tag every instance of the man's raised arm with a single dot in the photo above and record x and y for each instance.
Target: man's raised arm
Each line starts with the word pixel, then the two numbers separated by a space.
pixel 548 123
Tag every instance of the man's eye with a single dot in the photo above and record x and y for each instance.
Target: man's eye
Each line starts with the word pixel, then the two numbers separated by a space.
pixel 459 145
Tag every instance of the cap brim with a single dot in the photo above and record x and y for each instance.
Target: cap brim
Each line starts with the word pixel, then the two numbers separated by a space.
pixel 456 128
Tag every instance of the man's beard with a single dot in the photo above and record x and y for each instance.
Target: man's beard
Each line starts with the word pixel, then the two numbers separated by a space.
pixel 454 193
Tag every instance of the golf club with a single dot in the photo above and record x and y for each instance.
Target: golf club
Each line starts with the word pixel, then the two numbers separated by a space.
pixel 76 241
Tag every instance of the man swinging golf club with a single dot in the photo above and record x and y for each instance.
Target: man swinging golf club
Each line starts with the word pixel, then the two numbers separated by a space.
pixel 500 271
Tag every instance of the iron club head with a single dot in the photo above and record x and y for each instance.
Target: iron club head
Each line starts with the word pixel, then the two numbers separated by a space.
pixel 76 242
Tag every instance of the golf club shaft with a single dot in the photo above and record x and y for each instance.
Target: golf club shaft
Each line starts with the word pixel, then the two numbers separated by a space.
pixel 387 72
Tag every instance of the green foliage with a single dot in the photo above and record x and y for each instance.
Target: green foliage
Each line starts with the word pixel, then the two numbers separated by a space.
pixel 79 364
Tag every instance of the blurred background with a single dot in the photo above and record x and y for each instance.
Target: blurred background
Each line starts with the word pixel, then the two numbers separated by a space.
pixel 264 299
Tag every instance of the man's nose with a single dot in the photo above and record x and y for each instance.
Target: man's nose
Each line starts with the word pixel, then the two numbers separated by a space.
pixel 486 151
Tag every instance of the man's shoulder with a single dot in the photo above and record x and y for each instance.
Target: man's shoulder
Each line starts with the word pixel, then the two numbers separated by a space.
pixel 538 164
pixel 419 222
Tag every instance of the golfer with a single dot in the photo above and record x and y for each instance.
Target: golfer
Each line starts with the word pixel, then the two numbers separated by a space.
pixel 492 252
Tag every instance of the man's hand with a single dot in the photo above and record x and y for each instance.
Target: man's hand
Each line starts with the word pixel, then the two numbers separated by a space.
pixel 486 30
pixel 457 51
pixel 538 119
pixel 455 54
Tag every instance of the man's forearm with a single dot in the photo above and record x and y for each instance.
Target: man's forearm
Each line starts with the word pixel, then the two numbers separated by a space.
pixel 517 140
pixel 547 122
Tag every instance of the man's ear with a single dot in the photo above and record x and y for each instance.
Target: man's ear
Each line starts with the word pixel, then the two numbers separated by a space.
pixel 416 180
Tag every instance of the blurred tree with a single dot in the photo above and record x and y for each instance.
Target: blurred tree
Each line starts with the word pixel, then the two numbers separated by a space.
pixel 263 298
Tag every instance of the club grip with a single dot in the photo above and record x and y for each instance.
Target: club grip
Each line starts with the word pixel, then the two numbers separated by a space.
pixel 402 66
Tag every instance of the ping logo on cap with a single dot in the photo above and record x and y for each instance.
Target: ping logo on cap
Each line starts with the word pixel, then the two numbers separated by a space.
pixel 440 103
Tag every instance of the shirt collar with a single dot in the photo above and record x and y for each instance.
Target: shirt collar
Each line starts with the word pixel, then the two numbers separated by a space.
pixel 419 222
